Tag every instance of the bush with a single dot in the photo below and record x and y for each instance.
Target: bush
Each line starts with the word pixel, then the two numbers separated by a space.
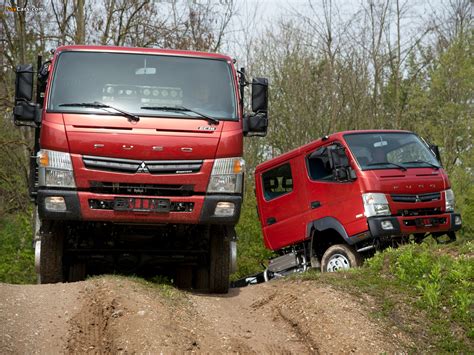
pixel 439 278
pixel 251 252
pixel 16 252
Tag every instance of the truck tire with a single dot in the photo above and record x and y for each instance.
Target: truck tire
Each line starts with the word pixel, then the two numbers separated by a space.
pixel 219 268
pixel 77 272
pixel 184 277
pixel 201 278
pixel 50 252
pixel 340 257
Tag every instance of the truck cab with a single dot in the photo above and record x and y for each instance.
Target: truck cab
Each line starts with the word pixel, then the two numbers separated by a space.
pixel 138 161
pixel 331 202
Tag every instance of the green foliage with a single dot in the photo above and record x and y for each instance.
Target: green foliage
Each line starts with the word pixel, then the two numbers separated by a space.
pixel 16 252
pixel 251 252
pixel 440 280
pixel 13 169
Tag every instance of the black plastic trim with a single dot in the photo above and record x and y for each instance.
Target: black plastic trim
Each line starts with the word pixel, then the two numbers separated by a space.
pixel 71 198
pixel 376 229
pixel 209 205
pixel 454 227
pixel 325 223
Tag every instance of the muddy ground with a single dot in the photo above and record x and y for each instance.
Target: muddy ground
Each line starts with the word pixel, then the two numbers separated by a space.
pixel 121 315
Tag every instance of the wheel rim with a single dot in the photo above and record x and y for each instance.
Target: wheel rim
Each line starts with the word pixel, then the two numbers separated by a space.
pixel 338 262
pixel 38 256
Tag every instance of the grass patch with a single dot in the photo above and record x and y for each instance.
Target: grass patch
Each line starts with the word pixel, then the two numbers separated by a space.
pixel 251 253
pixel 16 251
pixel 159 284
pixel 426 289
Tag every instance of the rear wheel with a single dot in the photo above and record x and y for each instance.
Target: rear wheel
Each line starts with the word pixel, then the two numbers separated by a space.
pixel 77 272
pixel 219 268
pixel 340 257
pixel 184 277
pixel 201 278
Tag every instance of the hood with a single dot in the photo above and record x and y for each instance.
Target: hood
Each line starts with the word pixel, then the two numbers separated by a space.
pixel 153 138
pixel 412 181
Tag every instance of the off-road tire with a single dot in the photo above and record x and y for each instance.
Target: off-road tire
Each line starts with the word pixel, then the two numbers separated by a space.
pixel 184 277
pixel 341 254
pixel 51 253
pixel 76 272
pixel 219 268
pixel 201 278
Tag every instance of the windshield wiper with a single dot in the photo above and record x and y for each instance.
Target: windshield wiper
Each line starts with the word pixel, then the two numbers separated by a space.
pixel 422 162
pixel 96 104
pixel 388 163
pixel 180 109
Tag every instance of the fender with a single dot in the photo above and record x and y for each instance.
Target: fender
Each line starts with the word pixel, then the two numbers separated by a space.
pixel 326 223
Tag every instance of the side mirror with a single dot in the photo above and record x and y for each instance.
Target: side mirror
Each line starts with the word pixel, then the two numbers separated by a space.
pixel 27 112
pixel 259 95
pixel 255 125
pixel 339 163
pixel 435 149
pixel 24 82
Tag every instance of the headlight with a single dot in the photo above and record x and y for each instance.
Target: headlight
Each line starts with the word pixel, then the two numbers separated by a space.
pixel 449 198
pixel 375 204
pixel 55 169
pixel 227 175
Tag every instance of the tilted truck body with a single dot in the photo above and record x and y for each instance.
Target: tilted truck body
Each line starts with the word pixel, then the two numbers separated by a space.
pixel 326 204
pixel 138 161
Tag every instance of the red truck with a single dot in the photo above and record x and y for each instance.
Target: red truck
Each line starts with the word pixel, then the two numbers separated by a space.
pixel 137 161
pixel 328 203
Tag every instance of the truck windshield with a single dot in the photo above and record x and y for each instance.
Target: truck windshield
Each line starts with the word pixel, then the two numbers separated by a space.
pixel 142 84
pixel 391 150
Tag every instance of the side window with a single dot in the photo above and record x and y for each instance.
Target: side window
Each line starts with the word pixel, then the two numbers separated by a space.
pixel 277 182
pixel 319 164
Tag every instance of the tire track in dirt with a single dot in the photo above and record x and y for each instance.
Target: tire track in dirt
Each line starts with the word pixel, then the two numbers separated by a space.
pixel 89 329
pixel 109 315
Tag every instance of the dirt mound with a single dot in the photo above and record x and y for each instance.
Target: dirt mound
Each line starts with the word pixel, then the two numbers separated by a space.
pixel 114 314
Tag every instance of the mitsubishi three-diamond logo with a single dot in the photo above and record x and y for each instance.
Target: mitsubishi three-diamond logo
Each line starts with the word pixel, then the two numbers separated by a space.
pixel 143 168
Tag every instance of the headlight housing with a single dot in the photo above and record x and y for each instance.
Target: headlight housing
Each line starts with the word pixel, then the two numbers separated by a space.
pixel 375 204
pixel 449 200
pixel 227 176
pixel 55 169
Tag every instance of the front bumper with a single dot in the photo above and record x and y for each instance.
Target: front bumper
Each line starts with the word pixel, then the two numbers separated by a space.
pixel 79 207
pixel 402 225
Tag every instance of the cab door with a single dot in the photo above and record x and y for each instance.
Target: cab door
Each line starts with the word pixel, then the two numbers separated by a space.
pixel 281 204
pixel 330 195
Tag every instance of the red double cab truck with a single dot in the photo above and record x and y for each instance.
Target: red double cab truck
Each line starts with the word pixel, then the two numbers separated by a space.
pixel 137 161
pixel 326 204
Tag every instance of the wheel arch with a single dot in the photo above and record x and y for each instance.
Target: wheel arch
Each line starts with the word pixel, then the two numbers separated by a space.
pixel 324 233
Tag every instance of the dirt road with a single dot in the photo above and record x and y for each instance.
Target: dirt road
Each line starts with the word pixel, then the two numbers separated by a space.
pixel 120 315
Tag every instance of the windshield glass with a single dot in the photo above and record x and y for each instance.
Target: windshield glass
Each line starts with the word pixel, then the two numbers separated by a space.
pixel 142 84
pixel 390 151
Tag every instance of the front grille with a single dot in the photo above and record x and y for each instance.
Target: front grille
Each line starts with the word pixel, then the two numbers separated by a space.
pixel 129 166
pixel 432 196
pixel 419 212
pixel 141 189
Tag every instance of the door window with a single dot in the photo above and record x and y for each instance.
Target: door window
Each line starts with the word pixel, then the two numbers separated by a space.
pixel 319 166
pixel 277 182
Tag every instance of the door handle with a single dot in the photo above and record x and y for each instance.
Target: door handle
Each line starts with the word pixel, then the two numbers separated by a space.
pixel 271 220
pixel 315 204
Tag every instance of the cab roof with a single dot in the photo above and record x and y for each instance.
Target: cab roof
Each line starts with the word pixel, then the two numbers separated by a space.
pixel 330 138
pixel 139 50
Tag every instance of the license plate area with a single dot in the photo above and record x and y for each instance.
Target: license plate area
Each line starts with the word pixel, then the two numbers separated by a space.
pixel 426 222
pixel 136 204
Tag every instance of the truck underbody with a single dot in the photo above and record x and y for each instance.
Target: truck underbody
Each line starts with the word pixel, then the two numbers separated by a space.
pixel 194 256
